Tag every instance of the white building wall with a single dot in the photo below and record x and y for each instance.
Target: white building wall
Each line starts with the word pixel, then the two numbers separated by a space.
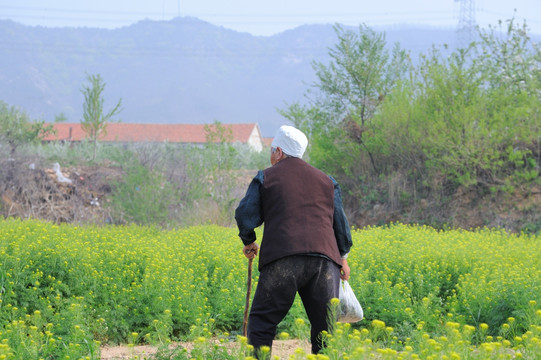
pixel 255 140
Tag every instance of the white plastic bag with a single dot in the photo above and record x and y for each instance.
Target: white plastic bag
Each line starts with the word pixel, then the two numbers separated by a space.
pixel 349 309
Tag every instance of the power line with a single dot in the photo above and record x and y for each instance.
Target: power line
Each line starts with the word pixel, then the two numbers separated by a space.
pixel 74 11
pixel 45 13
pixel 47 16
pixel 97 15
pixel 257 15
pixel 506 16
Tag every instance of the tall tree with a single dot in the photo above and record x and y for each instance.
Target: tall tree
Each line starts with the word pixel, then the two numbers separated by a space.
pixel 351 88
pixel 95 121
pixel 347 94
pixel 219 161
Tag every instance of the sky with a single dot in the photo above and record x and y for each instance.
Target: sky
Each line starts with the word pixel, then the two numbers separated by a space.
pixel 265 18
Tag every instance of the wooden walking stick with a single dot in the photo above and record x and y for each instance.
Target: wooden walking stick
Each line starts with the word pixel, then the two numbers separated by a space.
pixel 247 306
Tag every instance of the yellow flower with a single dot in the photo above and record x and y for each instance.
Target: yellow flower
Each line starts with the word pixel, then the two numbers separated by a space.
pixel 487 347
pixel 378 324
pixel 452 324
pixel 469 328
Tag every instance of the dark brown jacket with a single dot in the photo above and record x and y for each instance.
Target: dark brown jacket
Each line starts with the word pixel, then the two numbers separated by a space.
pixel 297 203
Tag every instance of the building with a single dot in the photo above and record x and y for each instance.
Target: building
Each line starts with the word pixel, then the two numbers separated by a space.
pixel 249 134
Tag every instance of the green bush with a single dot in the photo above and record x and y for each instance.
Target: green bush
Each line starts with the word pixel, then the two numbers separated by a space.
pixel 142 196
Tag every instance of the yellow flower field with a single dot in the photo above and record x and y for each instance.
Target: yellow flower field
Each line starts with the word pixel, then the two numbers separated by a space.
pixel 66 290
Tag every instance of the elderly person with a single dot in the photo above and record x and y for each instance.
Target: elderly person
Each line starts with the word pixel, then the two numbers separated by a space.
pixel 306 239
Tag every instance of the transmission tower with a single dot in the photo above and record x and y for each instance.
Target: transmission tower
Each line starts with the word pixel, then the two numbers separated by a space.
pixel 466 22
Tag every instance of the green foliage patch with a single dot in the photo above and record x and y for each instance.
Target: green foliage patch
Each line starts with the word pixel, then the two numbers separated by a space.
pixel 66 290
pixel 460 120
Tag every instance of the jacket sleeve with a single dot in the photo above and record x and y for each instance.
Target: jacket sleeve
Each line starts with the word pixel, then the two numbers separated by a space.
pixel 248 214
pixel 340 222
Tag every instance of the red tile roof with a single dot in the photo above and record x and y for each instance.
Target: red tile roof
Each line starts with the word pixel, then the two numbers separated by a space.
pixel 130 132
pixel 267 141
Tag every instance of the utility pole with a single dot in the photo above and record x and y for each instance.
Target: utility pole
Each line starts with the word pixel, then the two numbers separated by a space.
pixel 466 22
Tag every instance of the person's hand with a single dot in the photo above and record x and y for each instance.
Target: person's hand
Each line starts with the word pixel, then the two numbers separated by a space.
pixel 250 250
pixel 344 271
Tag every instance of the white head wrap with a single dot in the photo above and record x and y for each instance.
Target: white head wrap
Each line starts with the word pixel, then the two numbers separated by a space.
pixel 292 141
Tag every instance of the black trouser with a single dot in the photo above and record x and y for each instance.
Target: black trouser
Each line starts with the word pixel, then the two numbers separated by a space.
pixel 315 278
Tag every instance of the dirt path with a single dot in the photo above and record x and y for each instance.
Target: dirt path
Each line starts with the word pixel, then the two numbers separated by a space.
pixel 282 348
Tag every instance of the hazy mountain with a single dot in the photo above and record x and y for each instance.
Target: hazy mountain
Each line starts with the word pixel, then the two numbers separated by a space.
pixel 180 71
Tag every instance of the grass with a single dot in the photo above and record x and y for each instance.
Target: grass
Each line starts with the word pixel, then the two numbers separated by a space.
pixel 65 291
